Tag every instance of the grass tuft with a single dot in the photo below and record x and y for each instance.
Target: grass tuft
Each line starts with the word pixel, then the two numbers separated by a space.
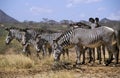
pixel 15 61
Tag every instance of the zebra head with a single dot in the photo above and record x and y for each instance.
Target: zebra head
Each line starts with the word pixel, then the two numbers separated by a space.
pixel 57 50
pixel 9 36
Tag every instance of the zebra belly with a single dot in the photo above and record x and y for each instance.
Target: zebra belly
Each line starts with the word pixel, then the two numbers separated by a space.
pixel 93 45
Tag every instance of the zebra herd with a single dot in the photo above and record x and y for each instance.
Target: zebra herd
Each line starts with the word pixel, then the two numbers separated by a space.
pixel 80 36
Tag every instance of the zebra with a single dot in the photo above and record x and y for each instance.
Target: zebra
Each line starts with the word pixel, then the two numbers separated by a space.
pixel 15 33
pixel 41 44
pixel 91 51
pixel 94 23
pixel 40 39
pixel 92 38
pixel 30 39
pixel 48 38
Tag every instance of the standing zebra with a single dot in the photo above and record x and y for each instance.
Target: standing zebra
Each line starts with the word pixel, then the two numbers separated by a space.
pixel 94 23
pixel 87 37
pixel 30 38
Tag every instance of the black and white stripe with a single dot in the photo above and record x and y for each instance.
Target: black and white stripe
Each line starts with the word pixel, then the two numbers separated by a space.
pixel 64 39
pixel 86 37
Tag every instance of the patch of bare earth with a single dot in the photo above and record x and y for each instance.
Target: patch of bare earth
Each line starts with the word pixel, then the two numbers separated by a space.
pixel 84 72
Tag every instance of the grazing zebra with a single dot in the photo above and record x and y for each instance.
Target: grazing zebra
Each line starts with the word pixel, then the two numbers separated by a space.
pixel 15 33
pixel 92 38
pixel 49 37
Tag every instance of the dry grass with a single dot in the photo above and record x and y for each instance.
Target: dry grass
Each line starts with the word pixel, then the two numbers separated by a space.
pixel 54 75
pixel 32 67
pixel 15 61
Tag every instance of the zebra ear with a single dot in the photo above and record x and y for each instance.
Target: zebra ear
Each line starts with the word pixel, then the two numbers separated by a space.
pixel 91 20
pixel 97 19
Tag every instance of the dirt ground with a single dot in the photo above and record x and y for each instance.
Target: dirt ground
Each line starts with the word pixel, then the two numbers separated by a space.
pixel 82 72
pixel 65 70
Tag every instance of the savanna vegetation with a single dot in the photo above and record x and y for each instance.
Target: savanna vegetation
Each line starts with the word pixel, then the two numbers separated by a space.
pixel 15 64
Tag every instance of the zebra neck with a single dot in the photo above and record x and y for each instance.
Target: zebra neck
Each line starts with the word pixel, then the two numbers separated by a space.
pixel 64 39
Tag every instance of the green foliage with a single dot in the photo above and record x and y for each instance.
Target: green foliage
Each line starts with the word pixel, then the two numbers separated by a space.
pixel 2 40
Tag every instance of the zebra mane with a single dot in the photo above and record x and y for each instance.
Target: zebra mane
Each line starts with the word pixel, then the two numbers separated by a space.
pixel 80 25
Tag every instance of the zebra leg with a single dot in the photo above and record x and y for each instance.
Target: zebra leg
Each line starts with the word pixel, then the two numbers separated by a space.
pixel 103 49
pixel 67 52
pixel 110 50
pixel 43 51
pixel 38 54
pixel 108 61
pixel 116 53
pixel 26 49
pixel 83 52
pixel 99 54
pixel 63 52
pixel 78 52
pixel 93 50
pixel 90 55
pixel 56 55
pixel 50 50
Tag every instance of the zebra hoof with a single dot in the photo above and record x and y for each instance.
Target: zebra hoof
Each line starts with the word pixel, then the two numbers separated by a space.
pixel 114 65
pixel 97 58
pixel 74 65
pixel 78 63
pixel 104 64
pixel 83 63
pixel 89 61
pixel 99 63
